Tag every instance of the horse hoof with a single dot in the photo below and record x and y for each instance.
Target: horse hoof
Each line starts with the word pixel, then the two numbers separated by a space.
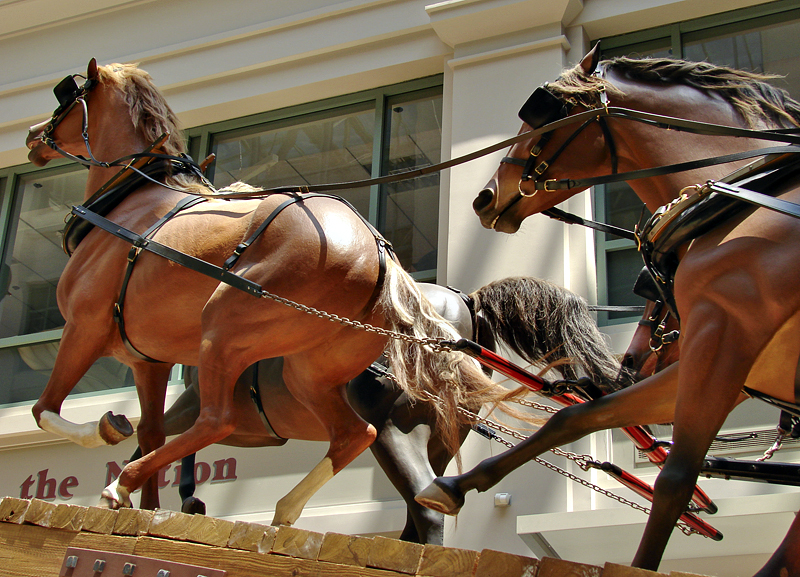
pixel 193 506
pixel 441 496
pixel 114 428
pixel 115 497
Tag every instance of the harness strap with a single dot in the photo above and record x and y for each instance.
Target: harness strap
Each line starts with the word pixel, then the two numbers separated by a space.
pixel 190 262
pixel 133 255
pixel 237 252
pixel 255 395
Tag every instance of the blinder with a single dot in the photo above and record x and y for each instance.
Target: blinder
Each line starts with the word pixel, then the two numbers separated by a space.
pixel 67 92
pixel 543 107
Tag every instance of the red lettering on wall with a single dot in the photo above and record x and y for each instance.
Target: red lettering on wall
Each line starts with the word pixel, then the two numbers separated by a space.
pixel 45 488
pixel 65 486
pixel 202 471
pixel 224 470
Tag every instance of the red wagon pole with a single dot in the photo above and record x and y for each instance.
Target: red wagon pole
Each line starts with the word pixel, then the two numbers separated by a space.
pixel 641 438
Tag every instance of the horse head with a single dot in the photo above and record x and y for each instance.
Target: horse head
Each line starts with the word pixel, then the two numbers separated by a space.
pixel 520 187
pixel 115 112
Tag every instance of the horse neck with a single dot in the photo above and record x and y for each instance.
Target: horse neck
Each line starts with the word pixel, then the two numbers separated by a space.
pixel 643 146
pixel 112 136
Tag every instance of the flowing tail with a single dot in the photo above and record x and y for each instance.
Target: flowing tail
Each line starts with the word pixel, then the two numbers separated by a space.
pixel 547 324
pixel 452 376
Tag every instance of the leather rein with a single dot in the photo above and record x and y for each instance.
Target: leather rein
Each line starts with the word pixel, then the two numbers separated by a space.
pixel 545 123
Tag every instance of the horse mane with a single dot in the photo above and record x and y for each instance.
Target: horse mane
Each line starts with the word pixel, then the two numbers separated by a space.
pixel 748 92
pixel 151 114
pixel 550 327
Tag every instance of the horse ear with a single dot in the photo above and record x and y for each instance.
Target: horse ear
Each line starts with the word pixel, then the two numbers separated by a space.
pixel 91 70
pixel 590 61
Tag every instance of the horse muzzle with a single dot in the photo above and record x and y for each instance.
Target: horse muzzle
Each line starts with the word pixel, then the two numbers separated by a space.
pixel 485 203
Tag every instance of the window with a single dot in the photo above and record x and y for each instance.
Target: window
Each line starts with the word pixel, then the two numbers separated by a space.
pixel 30 322
pixel 351 138
pixel 382 132
pixel 752 39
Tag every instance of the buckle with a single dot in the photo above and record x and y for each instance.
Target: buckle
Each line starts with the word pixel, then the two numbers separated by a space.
pixel 547 188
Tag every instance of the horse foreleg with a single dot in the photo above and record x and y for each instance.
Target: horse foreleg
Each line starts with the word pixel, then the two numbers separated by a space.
pixel 151 386
pixel 215 422
pixel 715 365
pixel 76 354
pixel 649 401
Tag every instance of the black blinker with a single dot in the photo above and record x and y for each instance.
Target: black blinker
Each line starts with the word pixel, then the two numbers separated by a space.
pixel 66 91
pixel 543 107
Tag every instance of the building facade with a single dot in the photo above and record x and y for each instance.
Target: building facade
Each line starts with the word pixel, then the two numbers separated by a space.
pixel 315 91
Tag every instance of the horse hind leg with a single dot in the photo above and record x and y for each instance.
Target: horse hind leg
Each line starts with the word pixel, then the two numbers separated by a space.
pixel 349 436
pixel 76 354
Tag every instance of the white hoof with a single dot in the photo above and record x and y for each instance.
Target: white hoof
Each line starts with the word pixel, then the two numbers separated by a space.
pixel 115 497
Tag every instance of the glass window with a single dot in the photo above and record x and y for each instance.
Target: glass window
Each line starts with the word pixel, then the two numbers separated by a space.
pixel 332 149
pixel 32 264
pixel 341 146
pixel 410 209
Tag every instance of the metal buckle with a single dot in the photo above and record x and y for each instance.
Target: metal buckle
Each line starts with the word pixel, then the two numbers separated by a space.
pixel 546 188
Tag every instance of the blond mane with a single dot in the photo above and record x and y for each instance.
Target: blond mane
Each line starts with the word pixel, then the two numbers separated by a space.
pixel 151 114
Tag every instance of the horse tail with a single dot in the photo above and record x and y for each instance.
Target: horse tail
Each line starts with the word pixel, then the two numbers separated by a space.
pixel 547 324
pixel 455 379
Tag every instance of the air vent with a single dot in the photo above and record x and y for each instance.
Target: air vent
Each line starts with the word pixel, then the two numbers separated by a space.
pixel 745 443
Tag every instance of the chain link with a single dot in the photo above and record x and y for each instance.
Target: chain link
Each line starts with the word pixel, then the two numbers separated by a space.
pixel 436 344
pixel 585 462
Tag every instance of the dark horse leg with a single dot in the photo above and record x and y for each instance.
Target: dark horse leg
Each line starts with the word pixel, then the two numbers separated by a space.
pixel 649 401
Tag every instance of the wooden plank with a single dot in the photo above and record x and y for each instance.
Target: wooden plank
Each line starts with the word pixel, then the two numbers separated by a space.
pixel 550 567
pixel 133 522
pixel 296 542
pixel 12 510
pixel 68 517
pixel 209 531
pixel 395 555
pixel 345 549
pixel 438 561
pixel 617 570
pixel 99 520
pixel 170 524
pixel 250 536
pixel 246 564
pixel 40 512
pixel 493 563
pixel 102 542
pixel 32 551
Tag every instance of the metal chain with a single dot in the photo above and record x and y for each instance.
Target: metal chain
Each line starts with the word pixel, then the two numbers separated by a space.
pixel 585 462
pixel 436 344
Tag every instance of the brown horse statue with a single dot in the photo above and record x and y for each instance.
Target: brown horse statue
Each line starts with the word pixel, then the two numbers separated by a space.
pixel 735 287
pixel 315 252
pixel 538 320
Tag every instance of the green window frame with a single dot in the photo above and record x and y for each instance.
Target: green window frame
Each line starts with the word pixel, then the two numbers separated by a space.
pixel 673 40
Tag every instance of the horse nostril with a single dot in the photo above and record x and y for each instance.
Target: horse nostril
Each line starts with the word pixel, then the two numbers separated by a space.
pixel 484 199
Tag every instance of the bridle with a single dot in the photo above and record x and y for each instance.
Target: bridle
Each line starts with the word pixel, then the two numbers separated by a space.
pixel 543 108
pixel 69 94
pixel 545 112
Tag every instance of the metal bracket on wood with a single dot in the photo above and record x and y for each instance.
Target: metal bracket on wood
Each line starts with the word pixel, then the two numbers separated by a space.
pixel 91 563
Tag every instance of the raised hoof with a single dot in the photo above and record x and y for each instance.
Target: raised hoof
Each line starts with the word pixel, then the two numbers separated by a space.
pixel 114 428
pixel 441 496
pixel 193 506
